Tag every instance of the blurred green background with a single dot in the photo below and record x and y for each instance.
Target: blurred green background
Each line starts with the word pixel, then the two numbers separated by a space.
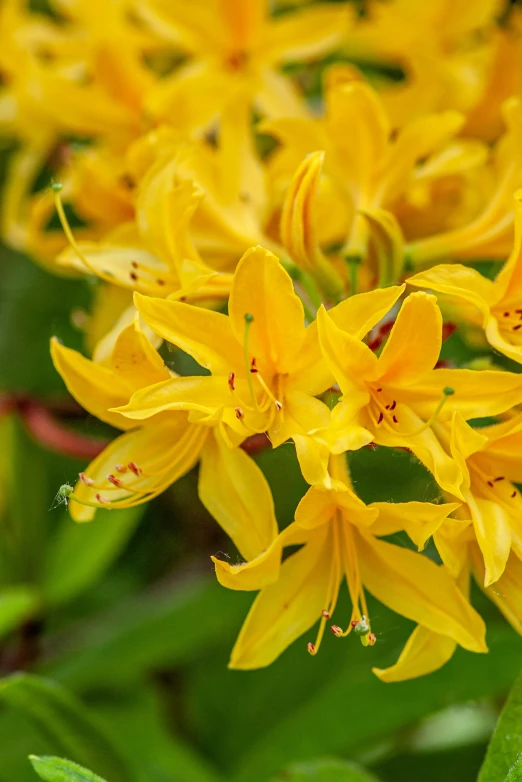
pixel 124 635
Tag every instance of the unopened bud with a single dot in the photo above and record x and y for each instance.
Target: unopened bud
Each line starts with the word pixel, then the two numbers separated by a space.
pixel 336 630
pixel 310 648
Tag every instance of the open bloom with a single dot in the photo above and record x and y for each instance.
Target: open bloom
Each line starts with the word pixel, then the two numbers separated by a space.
pixel 496 305
pixel 337 534
pixel 266 365
pixel 236 47
pixel 367 167
pixel 490 233
pixel 481 540
pixel 145 461
pixel 400 394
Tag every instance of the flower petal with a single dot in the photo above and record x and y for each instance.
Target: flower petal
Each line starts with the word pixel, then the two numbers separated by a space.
pixel 206 394
pixel 349 359
pixel 419 519
pixel 263 289
pixel 359 314
pixel 95 387
pixel 425 652
pixel 287 608
pixel 415 587
pixel 493 531
pixel 413 346
pixel 234 490
pixel 458 281
pixel 203 334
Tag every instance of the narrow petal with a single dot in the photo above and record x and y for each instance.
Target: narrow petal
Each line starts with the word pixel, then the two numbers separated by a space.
pixel 205 394
pixel 204 334
pixel 492 527
pixel 307 33
pixel 285 610
pixel 313 456
pixel 506 593
pixel 264 569
pixel 359 314
pixel 234 490
pixel 349 359
pixel 135 360
pixel 95 387
pixel 412 585
pixel 460 282
pixel 425 652
pixel 414 344
pixel 477 394
pixel 419 519
pixel 263 289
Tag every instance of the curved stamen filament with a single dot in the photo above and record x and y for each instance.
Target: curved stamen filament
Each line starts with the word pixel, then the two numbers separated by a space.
pixel 446 392
pixel 331 592
pixel 56 188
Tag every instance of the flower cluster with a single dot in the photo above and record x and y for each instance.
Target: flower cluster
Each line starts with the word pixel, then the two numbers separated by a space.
pixel 306 247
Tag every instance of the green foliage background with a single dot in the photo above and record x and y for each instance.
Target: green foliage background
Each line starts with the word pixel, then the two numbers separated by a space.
pixel 115 637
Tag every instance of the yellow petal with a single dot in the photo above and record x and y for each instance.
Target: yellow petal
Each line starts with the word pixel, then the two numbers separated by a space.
pixel 506 593
pixel 493 530
pixel 313 458
pixel 413 346
pixel 164 450
pixel 264 569
pixel 320 504
pixel 413 586
pixel 458 281
pixel 135 360
pixel 205 394
pixel 464 442
pixel 425 652
pixel 299 226
pixel 262 288
pixel 349 359
pixel 306 33
pixel 497 339
pixel 359 314
pixel 95 387
pixel 477 394
pixel 419 519
pixel 204 334
pixel 287 608
pixel 234 490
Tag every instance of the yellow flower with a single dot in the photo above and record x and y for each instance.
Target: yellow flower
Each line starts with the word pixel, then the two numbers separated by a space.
pixel 264 358
pixel 490 233
pixel 143 462
pixel 236 47
pixel 495 305
pixel 367 168
pixel 490 462
pixel 399 395
pixel 444 48
pixel 337 533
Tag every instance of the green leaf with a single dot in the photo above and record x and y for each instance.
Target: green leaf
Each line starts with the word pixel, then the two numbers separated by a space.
pixel 64 721
pixel 325 771
pixel 515 772
pixel 59 770
pixel 505 747
pixel 81 553
pixel 157 629
pixel 17 603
